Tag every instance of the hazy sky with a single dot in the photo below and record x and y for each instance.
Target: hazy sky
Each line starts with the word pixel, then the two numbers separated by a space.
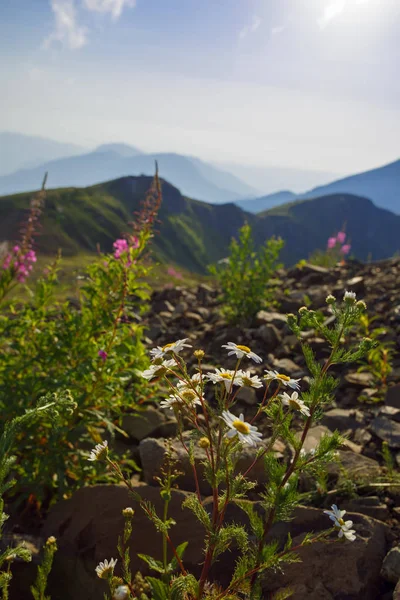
pixel 310 84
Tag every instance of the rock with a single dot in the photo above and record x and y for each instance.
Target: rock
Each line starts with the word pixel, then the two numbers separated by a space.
pixel 393 396
pixel 390 412
pixel 152 452
pixel 270 336
pixel 356 284
pixel 391 565
pixel 143 424
pixel 87 527
pixel 313 437
pixel 247 395
pixel 342 419
pixel 357 466
pixel 386 430
pixel 360 379
pixel 337 571
pixel 288 367
pixel 370 505
pixel 273 318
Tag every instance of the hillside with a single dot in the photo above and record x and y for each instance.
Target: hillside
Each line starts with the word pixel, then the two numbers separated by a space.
pixel 194 233
pixel 257 205
pixel 195 178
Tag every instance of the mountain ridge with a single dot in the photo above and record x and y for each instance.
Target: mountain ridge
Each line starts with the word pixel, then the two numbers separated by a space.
pixel 193 233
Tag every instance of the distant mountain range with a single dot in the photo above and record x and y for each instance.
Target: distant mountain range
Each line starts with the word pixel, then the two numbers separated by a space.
pixel 381 185
pixel 18 151
pixel 194 177
pixel 193 234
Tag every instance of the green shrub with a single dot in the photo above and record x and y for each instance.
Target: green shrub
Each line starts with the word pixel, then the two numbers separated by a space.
pixel 245 276
pixel 92 347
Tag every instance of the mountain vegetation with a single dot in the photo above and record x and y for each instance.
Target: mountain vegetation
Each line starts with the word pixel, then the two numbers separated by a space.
pixel 193 234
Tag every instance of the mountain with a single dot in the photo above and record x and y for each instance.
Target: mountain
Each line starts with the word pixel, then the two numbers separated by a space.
pixel 121 149
pixel 18 151
pixel 263 203
pixel 381 185
pixel 195 178
pixel 268 179
pixel 193 233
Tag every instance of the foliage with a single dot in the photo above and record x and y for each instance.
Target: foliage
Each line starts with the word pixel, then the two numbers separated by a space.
pixel 221 435
pixel 94 348
pixel 55 407
pixel 378 361
pixel 245 276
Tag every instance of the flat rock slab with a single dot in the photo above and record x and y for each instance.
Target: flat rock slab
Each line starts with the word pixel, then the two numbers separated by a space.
pixel 387 430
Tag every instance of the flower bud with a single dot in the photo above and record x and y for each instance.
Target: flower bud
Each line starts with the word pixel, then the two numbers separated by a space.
pixel 303 310
pixel 349 298
pixel 199 354
pixel 204 442
pixel 51 541
pixel 330 299
pixel 128 512
pixel 361 305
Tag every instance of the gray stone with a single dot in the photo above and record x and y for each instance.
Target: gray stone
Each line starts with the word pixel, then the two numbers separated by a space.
pixel 341 419
pixel 363 380
pixel 274 318
pixel 270 336
pixel 393 396
pixel 391 565
pixel 386 430
pixel 357 467
pixel 143 424
pixel 313 437
pixel 288 367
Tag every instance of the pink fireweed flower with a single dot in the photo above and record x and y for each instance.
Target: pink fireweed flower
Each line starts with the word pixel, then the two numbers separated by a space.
pixel 7 262
pixel 120 246
pixel 171 271
pixel 134 242
pixel 30 256
pixel 103 355
pixel 345 249
pixel 331 243
pixel 16 249
pixel 341 236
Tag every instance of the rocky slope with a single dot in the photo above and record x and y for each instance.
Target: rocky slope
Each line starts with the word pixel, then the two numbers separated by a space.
pixel 87 525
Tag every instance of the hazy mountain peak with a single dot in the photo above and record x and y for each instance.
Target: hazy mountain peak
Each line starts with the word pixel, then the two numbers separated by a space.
pixel 124 150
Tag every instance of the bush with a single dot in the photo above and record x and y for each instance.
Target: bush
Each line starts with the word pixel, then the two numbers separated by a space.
pixel 93 348
pixel 245 276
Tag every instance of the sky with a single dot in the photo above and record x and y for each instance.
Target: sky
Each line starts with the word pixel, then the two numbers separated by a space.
pixel 302 84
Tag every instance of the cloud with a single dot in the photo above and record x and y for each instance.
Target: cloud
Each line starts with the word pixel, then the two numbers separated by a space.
pixel 250 28
pixel 66 29
pixel 333 10
pixel 115 7
pixel 277 30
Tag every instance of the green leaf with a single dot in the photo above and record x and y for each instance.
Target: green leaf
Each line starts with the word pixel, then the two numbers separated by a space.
pixel 193 504
pixel 154 564
pixel 159 589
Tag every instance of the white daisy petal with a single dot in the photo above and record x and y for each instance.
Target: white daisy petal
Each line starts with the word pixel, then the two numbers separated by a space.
pixel 247 433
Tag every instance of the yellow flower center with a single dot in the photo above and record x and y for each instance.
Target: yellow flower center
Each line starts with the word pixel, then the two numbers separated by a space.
pixel 167 346
pixel 241 427
pixel 226 376
pixel 247 381
pixel 341 522
pixel 244 348
pixel 188 395
pixel 294 404
pixel 283 377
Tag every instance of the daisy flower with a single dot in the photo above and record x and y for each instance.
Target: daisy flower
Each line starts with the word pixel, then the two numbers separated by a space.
pixel 287 381
pixel 186 397
pixel 105 569
pixel 173 347
pixel 294 402
pixel 247 433
pixel 240 351
pixel 345 527
pixel 158 370
pixel 229 378
pixel 99 451
pixel 349 297
pixel 245 379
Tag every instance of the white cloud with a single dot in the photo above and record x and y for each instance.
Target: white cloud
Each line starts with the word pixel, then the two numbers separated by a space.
pixel 333 10
pixel 115 7
pixel 66 29
pixel 277 30
pixel 250 28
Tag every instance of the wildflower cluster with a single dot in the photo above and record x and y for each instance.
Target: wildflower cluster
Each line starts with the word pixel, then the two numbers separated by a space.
pixel 206 403
pixel 92 347
pixel 337 248
pixel 246 276
pixel 18 262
